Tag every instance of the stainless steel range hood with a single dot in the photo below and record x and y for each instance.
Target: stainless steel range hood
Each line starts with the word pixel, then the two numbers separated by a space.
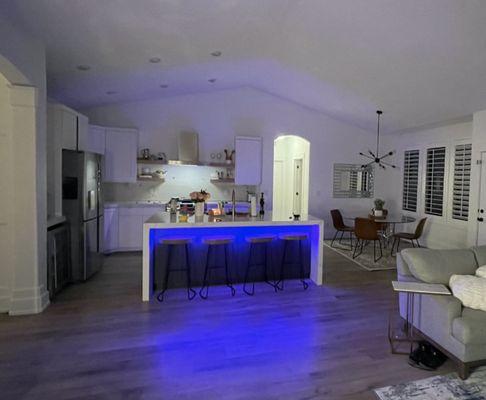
pixel 188 143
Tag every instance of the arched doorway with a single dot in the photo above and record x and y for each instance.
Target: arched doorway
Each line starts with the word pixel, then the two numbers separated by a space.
pixel 291 176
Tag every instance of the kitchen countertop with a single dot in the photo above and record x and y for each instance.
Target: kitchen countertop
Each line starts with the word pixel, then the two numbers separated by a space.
pixel 133 204
pixel 165 219
pixel 54 220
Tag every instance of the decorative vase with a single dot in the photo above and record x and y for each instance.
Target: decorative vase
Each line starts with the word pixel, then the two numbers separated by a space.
pixel 378 213
pixel 199 209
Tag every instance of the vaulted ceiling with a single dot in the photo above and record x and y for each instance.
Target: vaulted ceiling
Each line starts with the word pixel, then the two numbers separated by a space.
pixel 421 61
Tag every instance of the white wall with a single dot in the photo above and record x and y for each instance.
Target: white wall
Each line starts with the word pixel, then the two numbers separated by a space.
pixel 440 232
pixel 219 116
pixel 22 62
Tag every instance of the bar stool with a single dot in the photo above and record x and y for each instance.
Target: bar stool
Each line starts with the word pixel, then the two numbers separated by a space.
pixel 212 242
pixel 289 238
pixel 261 241
pixel 171 242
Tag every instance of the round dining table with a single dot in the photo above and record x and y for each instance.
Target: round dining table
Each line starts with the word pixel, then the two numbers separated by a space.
pixel 391 220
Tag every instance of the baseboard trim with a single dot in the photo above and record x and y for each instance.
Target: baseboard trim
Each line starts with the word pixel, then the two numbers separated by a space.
pixel 29 301
pixel 4 299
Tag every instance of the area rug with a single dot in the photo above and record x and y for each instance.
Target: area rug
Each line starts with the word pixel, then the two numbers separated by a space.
pixel 447 387
pixel 365 260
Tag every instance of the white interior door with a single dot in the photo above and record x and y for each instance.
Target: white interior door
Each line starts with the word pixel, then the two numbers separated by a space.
pixel 482 203
pixel 279 189
pixel 297 187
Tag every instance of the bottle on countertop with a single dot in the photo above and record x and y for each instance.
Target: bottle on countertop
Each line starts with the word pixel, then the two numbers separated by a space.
pixel 262 205
pixel 253 206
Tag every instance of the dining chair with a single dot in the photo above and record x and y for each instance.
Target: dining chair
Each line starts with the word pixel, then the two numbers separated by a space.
pixel 409 236
pixel 366 230
pixel 340 226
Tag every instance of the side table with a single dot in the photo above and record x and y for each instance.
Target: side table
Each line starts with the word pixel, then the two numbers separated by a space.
pixel 411 289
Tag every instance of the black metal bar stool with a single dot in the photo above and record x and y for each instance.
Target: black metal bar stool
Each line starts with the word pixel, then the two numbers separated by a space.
pixel 289 238
pixel 212 243
pixel 260 241
pixel 171 242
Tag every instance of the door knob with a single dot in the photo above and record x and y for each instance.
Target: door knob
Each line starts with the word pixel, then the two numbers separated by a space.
pixel 480 219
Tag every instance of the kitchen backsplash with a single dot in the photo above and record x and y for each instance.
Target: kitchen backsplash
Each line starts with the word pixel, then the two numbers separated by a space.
pixel 179 182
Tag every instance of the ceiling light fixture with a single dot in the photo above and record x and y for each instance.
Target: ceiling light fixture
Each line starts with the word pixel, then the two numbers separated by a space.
pixel 216 53
pixel 212 80
pixel 110 92
pixel 154 60
pixel 83 67
pixel 164 86
pixel 375 157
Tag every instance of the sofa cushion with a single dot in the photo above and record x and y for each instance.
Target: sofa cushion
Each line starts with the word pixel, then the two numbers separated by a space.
pixel 470 328
pixel 471 290
pixel 481 272
pixel 437 266
pixel 480 253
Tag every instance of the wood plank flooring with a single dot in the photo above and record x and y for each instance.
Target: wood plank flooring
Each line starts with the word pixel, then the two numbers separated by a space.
pixel 99 341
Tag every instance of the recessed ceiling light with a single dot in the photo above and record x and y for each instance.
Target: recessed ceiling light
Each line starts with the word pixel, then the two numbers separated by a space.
pixel 154 60
pixel 212 80
pixel 216 53
pixel 164 86
pixel 110 92
pixel 83 67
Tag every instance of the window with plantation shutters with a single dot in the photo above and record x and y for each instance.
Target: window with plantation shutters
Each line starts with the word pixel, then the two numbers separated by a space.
pixel 462 175
pixel 410 180
pixel 434 181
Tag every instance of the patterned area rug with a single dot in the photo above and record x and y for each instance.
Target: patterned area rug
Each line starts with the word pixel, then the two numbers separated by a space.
pixel 447 387
pixel 365 260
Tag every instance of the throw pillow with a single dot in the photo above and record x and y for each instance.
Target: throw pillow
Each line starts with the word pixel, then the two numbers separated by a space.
pixel 470 290
pixel 481 271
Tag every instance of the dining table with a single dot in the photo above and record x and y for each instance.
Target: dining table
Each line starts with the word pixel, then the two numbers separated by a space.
pixel 390 221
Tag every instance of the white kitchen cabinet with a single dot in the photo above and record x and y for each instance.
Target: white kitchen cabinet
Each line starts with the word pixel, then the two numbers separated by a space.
pixel 94 141
pixel 126 233
pixel 129 232
pixel 110 238
pixel 248 160
pixel 69 128
pixel 121 146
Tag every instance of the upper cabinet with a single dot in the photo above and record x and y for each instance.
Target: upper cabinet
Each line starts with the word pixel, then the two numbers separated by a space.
pixel 121 146
pixel 248 160
pixel 68 127
pixel 95 142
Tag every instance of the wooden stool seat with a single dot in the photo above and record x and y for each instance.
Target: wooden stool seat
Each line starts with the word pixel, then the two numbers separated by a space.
pixel 293 236
pixel 260 238
pixel 176 240
pixel 215 240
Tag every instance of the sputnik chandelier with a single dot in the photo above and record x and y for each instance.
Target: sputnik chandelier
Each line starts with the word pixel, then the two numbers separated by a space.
pixel 375 157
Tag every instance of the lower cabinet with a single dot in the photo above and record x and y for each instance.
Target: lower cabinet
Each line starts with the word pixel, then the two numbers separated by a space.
pixel 124 227
pixel 58 258
pixel 110 238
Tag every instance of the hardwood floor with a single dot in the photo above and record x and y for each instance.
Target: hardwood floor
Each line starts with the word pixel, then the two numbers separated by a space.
pixel 99 341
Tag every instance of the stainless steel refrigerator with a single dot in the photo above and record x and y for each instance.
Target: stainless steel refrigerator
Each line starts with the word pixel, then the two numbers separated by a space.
pixel 82 204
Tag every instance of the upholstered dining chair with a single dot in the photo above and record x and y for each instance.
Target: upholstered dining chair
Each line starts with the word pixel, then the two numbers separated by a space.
pixel 366 230
pixel 409 236
pixel 340 226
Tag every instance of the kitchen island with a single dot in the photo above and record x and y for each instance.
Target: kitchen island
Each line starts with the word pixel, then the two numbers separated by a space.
pixel 164 224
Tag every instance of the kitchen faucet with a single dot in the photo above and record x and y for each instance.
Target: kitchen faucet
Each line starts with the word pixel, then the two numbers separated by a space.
pixel 233 201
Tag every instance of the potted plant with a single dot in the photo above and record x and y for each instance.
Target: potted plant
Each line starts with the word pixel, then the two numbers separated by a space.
pixel 378 210
pixel 199 198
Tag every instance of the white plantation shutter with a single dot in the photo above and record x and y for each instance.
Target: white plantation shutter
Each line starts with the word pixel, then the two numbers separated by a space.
pixel 434 181
pixel 462 175
pixel 410 180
